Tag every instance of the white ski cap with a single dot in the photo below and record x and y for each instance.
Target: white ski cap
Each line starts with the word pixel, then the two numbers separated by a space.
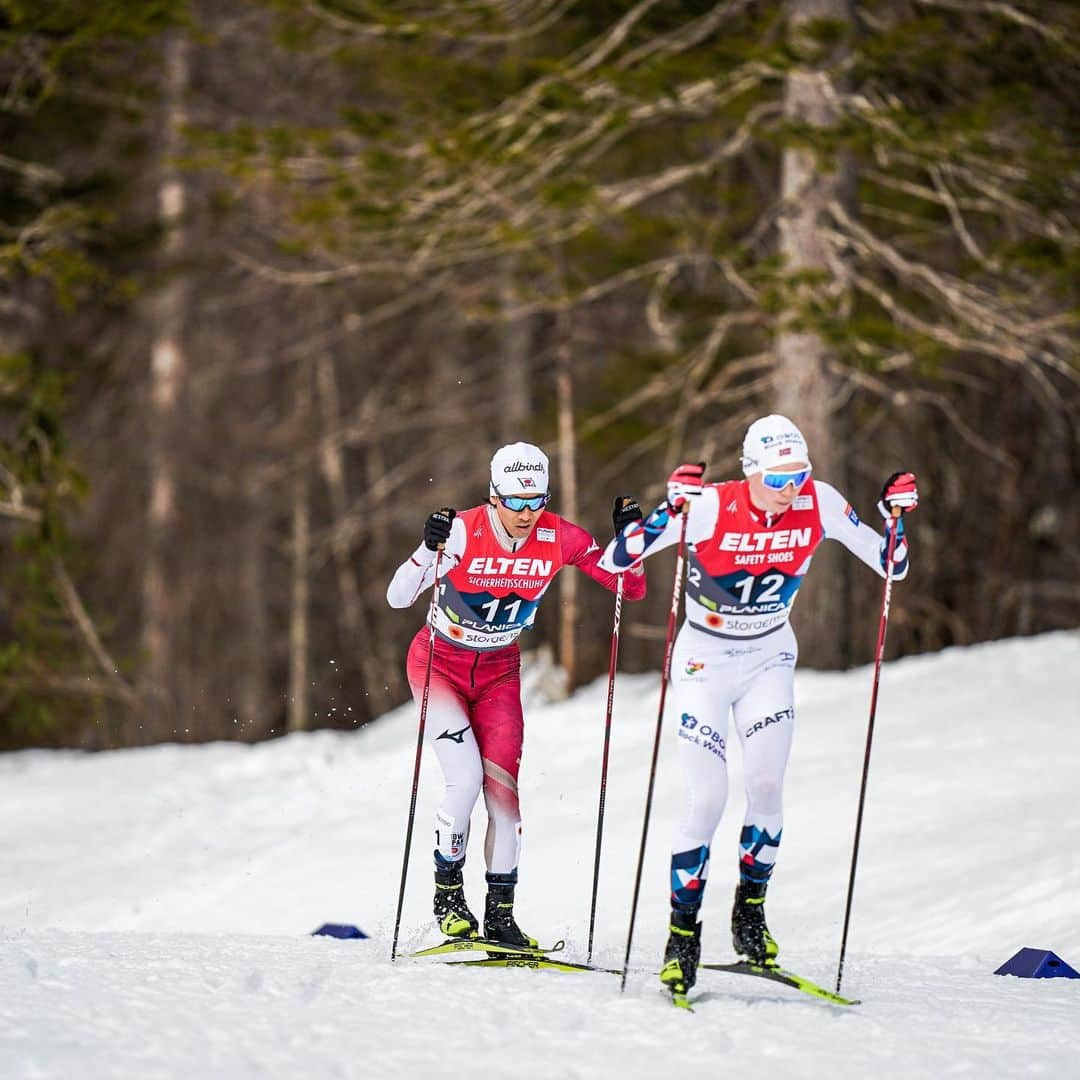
pixel 519 469
pixel 771 443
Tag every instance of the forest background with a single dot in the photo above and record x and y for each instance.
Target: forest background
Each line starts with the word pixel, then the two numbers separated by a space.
pixel 277 277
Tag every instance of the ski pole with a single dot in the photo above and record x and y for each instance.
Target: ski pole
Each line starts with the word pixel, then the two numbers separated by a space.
pixel 419 749
pixel 604 761
pixel 676 591
pixel 880 653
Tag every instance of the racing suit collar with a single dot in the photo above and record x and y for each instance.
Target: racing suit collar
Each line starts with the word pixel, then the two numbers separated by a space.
pixel 506 541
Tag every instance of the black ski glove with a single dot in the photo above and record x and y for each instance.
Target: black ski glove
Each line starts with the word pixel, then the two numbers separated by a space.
pixel 624 511
pixel 437 528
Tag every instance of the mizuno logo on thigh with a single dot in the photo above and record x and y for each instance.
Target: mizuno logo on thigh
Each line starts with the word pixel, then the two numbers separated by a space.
pixel 454 736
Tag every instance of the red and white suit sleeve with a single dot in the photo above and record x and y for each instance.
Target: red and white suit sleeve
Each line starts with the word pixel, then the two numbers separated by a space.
pixel 417 573
pixel 662 529
pixel 582 551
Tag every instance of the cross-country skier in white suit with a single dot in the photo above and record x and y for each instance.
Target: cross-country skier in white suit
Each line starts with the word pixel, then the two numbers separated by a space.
pixel 750 543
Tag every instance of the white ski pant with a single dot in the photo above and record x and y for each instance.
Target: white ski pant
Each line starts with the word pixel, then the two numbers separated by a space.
pixel 714 680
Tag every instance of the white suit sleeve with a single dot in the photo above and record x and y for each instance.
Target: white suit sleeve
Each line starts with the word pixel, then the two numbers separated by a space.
pixel 661 529
pixel 840 522
pixel 417 572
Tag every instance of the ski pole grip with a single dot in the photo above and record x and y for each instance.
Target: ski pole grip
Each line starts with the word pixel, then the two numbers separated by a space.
pixel 685 508
pixel 451 513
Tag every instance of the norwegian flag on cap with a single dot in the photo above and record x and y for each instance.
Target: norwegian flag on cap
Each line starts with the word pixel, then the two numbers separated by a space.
pixel 770 442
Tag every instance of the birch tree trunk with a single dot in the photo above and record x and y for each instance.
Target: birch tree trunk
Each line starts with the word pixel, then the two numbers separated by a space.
pixel 811 178
pixel 168 370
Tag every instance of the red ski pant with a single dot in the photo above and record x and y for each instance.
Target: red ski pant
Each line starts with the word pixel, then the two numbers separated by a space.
pixel 474 725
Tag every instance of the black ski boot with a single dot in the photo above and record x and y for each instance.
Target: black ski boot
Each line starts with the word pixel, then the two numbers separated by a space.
pixel 451 912
pixel 750 936
pixel 683 951
pixel 499 922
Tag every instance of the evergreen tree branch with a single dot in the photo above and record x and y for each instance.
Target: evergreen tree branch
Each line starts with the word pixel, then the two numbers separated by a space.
pixel 685 37
pixel 30 171
pixel 952 339
pixel 624 194
pixel 972 305
pixel 900 397
pixel 69 595
pixel 668 382
pixel 526 24
pixel 1012 13
pixel 658 269
pixel 19 510
pixel 957 219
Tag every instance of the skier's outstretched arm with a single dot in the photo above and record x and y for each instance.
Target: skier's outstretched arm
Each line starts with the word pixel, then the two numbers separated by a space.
pixel 581 550
pixel 663 527
pixel 840 522
pixel 417 572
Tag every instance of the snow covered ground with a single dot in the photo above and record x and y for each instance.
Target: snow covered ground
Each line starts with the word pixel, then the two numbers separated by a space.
pixel 155 904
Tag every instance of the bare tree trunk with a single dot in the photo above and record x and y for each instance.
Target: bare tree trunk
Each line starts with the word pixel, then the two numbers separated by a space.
pixel 359 629
pixel 450 452
pixel 568 500
pixel 513 367
pixel 254 697
pixel 299 712
pixel 804 388
pixel 378 555
pixel 168 369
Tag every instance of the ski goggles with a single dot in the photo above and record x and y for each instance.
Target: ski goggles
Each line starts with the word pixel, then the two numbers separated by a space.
pixel 780 480
pixel 523 502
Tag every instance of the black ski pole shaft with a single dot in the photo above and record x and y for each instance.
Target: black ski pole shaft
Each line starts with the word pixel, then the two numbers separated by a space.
pixel 604 759
pixel 419 751
pixel 676 592
pixel 879 654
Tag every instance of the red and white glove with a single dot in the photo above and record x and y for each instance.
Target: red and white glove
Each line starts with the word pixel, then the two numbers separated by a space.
pixel 684 484
pixel 900 492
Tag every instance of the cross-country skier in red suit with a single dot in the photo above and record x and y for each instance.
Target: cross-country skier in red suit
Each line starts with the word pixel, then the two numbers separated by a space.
pixel 750 544
pixel 498 561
